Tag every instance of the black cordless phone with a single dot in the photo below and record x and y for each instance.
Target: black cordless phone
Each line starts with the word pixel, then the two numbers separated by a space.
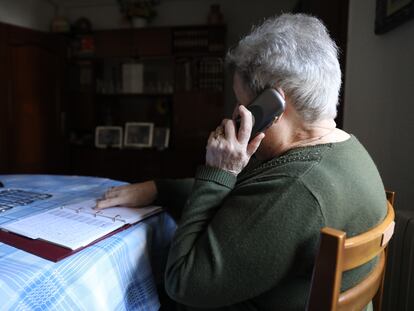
pixel 265 108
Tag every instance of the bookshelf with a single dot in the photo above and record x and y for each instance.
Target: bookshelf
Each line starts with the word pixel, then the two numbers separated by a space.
pixel 170 77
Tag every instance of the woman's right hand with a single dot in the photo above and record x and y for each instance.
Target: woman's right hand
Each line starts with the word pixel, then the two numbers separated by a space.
pixel 134 195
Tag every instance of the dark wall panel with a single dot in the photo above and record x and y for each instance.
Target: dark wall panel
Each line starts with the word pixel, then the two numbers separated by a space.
pixel 4 96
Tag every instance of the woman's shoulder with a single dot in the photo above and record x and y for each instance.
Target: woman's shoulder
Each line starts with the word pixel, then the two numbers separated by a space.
pixel 290 165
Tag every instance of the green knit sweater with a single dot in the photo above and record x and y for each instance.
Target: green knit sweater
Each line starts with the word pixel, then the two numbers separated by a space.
pixel 249 243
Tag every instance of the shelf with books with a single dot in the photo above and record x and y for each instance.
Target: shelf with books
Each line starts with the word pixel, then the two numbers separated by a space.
pixel 134 76
pixel 192 40
pixel 199 73
pixel 147 94
pixel 169 88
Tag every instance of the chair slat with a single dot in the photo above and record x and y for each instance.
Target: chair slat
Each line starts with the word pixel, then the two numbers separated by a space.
pixel 366 246
pixel 360 295
pixel 390 196
pixel 338 254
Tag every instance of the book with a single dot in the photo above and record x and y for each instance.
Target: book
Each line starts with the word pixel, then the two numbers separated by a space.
pixel 77 225
pixel 132 78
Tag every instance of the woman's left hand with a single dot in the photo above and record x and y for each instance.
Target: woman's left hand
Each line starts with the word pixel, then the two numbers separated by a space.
pixel 229 150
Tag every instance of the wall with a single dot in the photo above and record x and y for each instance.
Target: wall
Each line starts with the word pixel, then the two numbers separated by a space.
pixel 379 105
pixel 35 14
pixel 105 15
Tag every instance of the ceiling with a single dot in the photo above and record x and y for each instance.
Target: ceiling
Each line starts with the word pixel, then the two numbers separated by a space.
pixel 81 3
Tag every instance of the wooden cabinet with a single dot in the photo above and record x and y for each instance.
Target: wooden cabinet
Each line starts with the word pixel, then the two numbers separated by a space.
pixel 35 136
pixel 133 42
pixel 4 99
pixel 32 138
pixel 114 43
pixel 152 42
pixel 180 72
pixel 196 114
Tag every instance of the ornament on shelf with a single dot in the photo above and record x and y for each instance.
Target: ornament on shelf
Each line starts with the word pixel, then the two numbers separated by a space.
pixel 215 17
pixel 138 12
pixel 60 25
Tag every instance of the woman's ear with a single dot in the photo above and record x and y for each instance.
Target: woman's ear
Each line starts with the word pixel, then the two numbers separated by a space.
pixel 278 118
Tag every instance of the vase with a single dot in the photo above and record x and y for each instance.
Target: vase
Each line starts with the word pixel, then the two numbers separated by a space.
pixel 138 22
pixel 215 17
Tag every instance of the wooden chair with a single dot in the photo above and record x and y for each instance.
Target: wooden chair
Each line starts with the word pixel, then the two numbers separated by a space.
pixel 338 254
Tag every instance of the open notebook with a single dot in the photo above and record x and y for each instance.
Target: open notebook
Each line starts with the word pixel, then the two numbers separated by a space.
pixel 78 225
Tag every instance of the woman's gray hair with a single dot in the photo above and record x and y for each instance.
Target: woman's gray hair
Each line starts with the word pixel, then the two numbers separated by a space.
pixel 293 52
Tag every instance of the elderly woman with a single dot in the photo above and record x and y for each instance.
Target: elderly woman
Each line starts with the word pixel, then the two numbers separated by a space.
pixel 249 227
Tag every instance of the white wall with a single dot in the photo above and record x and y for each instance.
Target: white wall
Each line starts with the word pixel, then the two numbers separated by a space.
pixel 379 101
pixel 35 14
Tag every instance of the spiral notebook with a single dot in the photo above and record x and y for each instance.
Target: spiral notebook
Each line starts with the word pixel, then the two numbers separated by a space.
pixel 78 225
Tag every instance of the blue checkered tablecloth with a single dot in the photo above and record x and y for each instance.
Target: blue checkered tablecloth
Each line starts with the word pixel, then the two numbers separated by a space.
pixel 118 273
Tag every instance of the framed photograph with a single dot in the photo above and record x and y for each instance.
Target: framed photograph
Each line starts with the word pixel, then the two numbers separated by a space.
pixel 161 137
pixel 392 13
pixel 108 136
pixel 138 134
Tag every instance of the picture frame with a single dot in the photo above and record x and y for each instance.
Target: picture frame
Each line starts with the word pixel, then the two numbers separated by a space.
pixel 161 138
pixel 138 134
pixel 392 13
pixel 108 136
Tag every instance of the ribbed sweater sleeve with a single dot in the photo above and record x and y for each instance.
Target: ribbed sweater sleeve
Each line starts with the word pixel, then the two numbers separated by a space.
pixel 172 194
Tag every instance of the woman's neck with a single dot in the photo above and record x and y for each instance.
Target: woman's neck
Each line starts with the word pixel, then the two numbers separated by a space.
pixel 311 134
pixel 287 136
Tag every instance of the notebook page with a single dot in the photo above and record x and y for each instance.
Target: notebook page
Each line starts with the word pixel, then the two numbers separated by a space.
pixel 64 227
pixel 127 215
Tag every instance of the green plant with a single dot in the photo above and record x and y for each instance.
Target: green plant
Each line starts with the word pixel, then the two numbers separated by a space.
pixel 138 8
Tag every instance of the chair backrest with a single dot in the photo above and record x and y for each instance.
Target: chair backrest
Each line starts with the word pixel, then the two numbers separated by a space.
pixel 338 254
